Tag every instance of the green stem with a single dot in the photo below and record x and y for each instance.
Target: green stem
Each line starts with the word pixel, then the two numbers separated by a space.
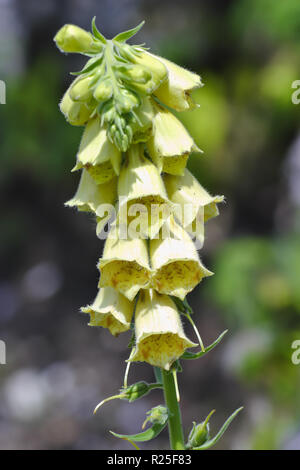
pixel 175 426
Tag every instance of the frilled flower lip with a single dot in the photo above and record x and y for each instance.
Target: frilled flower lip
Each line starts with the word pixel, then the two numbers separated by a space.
pixel 161 349
pixel 179 277
pixel 110 310
pixel 177 268
pixel 90 195
pixel 128 277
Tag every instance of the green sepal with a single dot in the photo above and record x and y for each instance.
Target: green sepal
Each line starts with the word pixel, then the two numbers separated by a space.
pixel 96 32
pixel 176 366
pixel 123 37
pixel 191 355
pixel 90 65
pixel 182 305
pixel 211 442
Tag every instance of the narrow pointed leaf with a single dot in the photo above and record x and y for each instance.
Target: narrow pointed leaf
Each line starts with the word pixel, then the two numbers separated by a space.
pixel 214 440
pixel 191 355
pixel 90 65
pixel 147 435
pixel 96 32
pixel 123 37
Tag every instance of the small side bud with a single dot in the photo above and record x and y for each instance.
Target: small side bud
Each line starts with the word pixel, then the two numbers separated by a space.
pixel 80 90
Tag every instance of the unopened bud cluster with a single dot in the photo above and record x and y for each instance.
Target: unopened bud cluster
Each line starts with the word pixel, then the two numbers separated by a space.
pixel 132 157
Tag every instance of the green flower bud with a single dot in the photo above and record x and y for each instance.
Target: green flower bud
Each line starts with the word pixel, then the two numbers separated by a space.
pixel 158 414
pixel 198 435
pixel 139 74
pixel 103 91
pixel 126 101
pixel 80 90
pixel 71 38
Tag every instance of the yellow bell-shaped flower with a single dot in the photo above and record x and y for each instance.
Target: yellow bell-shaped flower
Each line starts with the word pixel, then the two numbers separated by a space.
pixel 90 195
pixel 124 264
pixel 175 91
pixel 160 338
pixel 170 144
pixel 141 192
pixel 111 310
pixel 194 205
pixel 97 154
pixel 176 266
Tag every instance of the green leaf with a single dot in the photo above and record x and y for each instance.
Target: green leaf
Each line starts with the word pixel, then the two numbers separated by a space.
pixel 123 37
pixel 190 355
pixel 89 66
pixel 96 32
pixel 214 440
pixel 147 435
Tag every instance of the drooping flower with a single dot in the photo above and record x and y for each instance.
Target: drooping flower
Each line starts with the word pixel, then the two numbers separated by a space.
pixel 141 191
pixel 160 338
pixel 175 91
pixel 194 205
pixel 111 310
pixel 97 154
pixel 170 144
pixel 176 266
pixel 90 195
pixel 124 264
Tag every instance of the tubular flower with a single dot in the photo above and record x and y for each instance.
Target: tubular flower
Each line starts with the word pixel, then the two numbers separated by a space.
pixel 124 264
pixel 111 310
pixel 175 91
pixel 175 262
pixel 160 338
pixel 90 195
pixel 97 154
pixel 193 204
pixel 141 191
pixel 170 145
